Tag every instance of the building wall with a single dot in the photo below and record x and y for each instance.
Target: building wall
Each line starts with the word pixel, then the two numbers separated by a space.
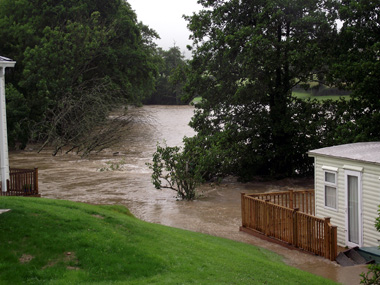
pixel 370 197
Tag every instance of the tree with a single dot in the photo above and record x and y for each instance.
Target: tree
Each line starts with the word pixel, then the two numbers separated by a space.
pixel 76 61
pixel 170 78
pixel 247 57
pixel 175 170
pixel 17 114
pixel 357 67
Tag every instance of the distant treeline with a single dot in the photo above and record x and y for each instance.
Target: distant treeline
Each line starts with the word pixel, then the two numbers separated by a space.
pixel 170 79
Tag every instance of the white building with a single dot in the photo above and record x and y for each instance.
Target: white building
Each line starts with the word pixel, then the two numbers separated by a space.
pixel 347 189
pixel 4 161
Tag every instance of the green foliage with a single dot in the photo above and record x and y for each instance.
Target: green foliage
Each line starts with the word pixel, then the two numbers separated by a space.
pixel 372 277
pixel 70 56
pixel 77 243
pixel 241 148
pixel 357 66
pixel 175 169
pixel 170 78
pixel 373 274
pixel 377 224
pixel 17 114
pixel 247 58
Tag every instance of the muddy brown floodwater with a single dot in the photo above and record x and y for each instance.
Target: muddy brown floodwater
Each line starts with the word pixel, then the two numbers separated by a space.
pixel 216 213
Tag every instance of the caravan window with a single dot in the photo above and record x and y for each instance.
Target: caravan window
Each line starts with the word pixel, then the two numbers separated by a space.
pixel 331 193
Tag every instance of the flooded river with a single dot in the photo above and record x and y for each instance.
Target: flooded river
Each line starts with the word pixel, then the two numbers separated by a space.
pixel 217 212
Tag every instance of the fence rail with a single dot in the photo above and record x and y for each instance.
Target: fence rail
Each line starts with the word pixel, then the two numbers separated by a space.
pixel 303 200
pixel 289 225
pixel 22 182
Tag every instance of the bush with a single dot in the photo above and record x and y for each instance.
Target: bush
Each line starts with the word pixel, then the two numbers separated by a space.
pixel 373 274
pixel 176 168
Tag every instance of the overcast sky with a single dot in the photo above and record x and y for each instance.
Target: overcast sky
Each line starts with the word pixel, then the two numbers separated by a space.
pixel 165 17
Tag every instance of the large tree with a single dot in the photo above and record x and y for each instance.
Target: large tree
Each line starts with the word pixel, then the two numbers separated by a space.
pixel 76 61
pixel 357 67
pixel 248 55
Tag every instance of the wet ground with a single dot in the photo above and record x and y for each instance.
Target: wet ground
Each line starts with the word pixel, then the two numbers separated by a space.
pixel 216 212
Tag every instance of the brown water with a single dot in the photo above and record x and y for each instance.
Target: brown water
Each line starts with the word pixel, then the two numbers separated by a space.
pixel 217 212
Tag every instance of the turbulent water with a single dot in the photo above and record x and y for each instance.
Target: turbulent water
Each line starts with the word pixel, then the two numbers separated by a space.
pixel 217 212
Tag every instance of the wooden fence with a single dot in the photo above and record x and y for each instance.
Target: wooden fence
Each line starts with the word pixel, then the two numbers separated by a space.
pixel 22 182
pixel 289 225
pixel 303 200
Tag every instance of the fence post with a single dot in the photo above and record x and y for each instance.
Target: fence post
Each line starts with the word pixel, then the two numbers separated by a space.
pixel 334 243
pixel 312 203
pixel 243 216
pixel 291 199
pixel 8 187
pixel 295 227
pixel 36 180
pixel 266 217
pixel 327 238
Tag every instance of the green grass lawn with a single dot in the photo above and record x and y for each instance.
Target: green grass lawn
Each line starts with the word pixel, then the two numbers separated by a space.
pixel 306 95
pixel 300 95
pixel 44 241
pixel 196 100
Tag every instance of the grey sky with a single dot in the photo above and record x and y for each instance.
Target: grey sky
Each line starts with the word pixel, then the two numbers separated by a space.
pixel 165 17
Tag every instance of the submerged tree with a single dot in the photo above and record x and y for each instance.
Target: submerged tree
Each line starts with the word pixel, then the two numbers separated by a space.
pixel 248 55
pixel 173 169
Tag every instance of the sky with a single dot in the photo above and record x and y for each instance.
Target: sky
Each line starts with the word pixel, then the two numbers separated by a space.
pixel 165 17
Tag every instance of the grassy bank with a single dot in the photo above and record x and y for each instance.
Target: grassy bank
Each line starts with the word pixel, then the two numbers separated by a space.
pixel 300 95
pixel 306 95
pixel 196 100
pixel 45 241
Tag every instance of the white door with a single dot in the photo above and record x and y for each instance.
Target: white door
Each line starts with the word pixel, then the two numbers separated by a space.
pixel 354 227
